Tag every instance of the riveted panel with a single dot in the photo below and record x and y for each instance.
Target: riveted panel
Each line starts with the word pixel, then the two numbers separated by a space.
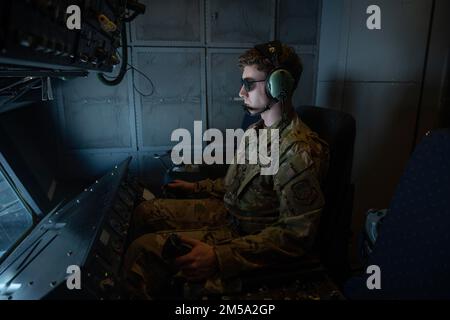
pixel 235 22
pixel 177 99
pixel 95 115
pixel 298 21
pixel 89 166
pixel 169 21
pixel 225 106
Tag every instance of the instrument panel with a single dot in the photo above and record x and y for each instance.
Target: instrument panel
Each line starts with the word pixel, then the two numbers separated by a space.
pixel 35 33
pixel 89 234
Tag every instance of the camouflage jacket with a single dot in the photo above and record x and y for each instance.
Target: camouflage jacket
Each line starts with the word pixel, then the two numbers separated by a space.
pixel 278 214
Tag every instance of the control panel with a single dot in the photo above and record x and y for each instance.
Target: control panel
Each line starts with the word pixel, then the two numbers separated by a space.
pixel 88 234
pixel 35 32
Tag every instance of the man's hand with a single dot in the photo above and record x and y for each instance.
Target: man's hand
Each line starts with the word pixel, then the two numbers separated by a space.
pixel 181 185
pixel 200 263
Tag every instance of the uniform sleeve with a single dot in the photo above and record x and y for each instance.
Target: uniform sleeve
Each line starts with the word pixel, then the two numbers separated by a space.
pixel 211 187
pixel 292 235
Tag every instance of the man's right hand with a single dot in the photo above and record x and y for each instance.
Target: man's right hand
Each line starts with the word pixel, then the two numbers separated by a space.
pixel 181 185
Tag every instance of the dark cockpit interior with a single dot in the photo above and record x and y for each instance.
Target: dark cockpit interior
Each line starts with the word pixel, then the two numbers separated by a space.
pixel 91 92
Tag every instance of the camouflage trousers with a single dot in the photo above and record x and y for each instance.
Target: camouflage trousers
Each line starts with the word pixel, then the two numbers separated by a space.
pixel 146 273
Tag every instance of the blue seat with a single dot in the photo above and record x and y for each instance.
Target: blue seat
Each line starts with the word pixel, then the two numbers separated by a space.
pixel 412 248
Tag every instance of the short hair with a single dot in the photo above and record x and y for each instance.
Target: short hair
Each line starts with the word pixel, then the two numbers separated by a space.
pixel 288 59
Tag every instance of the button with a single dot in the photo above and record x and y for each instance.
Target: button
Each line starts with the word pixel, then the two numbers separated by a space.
pixel 84 58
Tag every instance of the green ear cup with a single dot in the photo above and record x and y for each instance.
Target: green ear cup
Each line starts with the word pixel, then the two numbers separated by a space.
pixel 280 84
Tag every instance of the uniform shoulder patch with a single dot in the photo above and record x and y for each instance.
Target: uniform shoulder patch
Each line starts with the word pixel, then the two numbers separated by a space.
pixel 292 166
pixel 304 192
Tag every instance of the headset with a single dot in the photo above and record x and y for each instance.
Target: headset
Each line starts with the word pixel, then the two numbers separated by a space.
pixel 279 82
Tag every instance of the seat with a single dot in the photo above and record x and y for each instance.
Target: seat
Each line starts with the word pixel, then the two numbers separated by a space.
pixel 338 129
pixel 412 246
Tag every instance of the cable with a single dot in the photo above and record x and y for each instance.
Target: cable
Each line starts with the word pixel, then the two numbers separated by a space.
pixel 132 17
pixel 23 91
pixel 136 7
pixel 124 18
pixel 21 81
pixel 144 75
pixel 113 77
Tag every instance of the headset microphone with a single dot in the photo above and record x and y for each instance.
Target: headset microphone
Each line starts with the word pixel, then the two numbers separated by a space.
pixel 267 107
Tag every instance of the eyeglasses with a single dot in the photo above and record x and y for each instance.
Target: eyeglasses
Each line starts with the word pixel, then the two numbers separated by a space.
pixel 249 85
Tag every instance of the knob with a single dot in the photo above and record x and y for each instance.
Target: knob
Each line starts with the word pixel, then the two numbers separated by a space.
pixel 59 48
pixel 25 40
pixel 84 58
pixel 100 54
pixel 50 46
pixel 114 59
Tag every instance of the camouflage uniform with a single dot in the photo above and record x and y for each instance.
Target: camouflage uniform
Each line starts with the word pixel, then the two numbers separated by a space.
pixel 252 220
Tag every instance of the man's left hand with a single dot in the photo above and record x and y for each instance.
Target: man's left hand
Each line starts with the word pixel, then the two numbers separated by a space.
pixel 200 263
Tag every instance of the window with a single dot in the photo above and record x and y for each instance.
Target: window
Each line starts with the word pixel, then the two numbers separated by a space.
pixel 15 218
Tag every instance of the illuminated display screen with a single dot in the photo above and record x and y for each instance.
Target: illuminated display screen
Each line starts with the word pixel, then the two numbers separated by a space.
pixel 15 219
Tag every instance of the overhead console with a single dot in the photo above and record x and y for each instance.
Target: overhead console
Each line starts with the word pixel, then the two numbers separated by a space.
pixel 45 39
pixel 36 33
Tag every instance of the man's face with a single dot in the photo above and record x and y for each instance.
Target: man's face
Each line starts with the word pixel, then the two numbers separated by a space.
pixel 256 97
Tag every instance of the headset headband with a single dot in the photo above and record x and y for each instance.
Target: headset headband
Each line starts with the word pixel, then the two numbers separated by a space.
pixel 271 51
